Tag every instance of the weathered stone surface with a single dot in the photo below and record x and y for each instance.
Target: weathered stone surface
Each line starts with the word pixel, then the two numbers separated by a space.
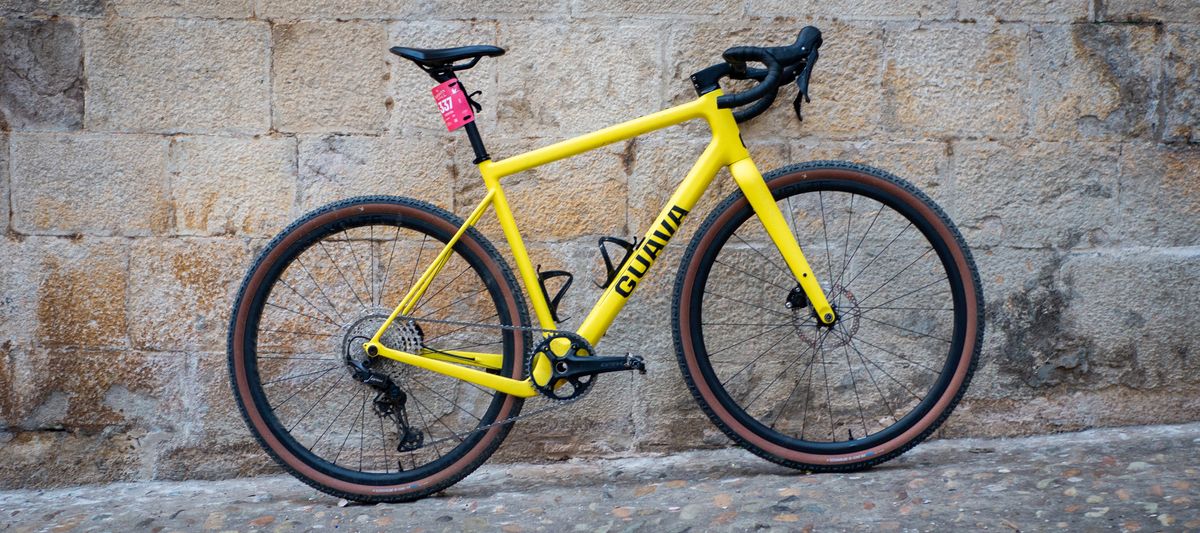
pixel 93 184
pixel 845 90
pixel 964 77
pixel 1135 333
pixel 177 75
pixel 77 8
pixel 670 7
pixel 339 9
pixel 218 441
pixel 5 185
pixel 82 293
pixel 924 164
pixel 565 199
pixel 1160 195
pixel 85 415
pixel 183 292
pixel 1181 96
pixel 611 81
pixel 1151 11
pixel 1024 10
pixel 329 76
pixel 411 105
pixel 42 85
pixel 870 10
pixel 1057 195
pixel 230 186
pixel 334 167
pixel 1094 81
pixel 234 9
pixel 88 391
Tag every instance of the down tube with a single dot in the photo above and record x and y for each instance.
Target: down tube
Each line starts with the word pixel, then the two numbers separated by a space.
pixel 601 317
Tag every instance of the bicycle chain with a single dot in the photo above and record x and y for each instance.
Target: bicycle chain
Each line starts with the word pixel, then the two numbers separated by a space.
pixel 555 403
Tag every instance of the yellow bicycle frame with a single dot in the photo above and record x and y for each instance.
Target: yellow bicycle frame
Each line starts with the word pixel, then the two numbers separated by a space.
pixel 725 150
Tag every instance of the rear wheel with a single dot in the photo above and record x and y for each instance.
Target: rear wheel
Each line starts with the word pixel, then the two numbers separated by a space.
pixel 318 292
pixel 885 375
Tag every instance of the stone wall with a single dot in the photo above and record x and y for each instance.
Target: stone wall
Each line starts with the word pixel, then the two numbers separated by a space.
pixel 148 148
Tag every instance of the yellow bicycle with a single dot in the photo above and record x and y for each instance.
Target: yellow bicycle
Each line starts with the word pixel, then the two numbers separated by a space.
pixel 380 348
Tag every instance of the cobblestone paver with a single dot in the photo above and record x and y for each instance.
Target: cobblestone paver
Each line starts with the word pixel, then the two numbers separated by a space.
pixel 1130 479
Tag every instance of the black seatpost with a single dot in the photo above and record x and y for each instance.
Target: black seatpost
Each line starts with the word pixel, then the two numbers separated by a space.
pixel 441 75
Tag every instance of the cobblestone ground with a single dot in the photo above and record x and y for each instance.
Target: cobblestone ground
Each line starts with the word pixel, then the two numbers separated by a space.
pixel 1138 478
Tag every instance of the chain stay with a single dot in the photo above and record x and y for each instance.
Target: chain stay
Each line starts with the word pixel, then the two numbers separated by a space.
pixel 555 403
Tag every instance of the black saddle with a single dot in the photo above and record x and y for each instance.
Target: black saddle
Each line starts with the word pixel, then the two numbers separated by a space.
pixel 440 58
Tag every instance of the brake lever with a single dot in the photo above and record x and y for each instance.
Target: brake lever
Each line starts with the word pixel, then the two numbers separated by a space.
pixel 802 84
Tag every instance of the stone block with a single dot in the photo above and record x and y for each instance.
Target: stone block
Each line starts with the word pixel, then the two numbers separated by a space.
pixel 95 184
pixel 177 75
pixel 671 7
pixel 558 80
pixel 845 87
pixel 287 10
pixel 334 167
pixel 81 293
pixel 922 163
pixel 1132 310
pixel 497 9
pixel 42 88
pixel 1032 194
pixel 1182 85
pixel 184 292
pixel 1024 10
pixel 74 8
pixel 8 401
pixel 231 9
pixel 1151 11
pixel 90 390
pixel 329 76
pixel 219 445
pixel 87 416
pixel 583 195
pixel 5 185
pixel 849 10
pixel 42 459
pixel 964 77
pixel 1025 302
pixel 1094 81
pixel 19 282
pixel 1159 195
pixel 413 107
pixel 233 186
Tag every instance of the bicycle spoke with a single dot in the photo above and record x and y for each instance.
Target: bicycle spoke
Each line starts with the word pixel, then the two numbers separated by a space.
pixel 319 289
pixel 896 275
pixel 860 241
pixel 746 272
pixel 825 231
pixel 747 303
pixel 330 426
pixel 769 260
pixel 293 311
pixel 913 331
pixel 877 256
pixel 277 380
pixel 310 304
pixel 337 266
pixel 755 360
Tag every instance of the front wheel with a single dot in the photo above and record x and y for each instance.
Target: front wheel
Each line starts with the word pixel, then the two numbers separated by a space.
pixel 885 375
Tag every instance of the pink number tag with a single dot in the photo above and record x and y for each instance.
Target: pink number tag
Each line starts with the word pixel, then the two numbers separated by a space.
pixel 451 101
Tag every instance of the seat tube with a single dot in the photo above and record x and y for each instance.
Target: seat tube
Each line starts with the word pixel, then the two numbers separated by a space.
pixel 762 201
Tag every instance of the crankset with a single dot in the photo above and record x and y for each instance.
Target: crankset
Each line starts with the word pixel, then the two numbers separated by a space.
pixel 572 367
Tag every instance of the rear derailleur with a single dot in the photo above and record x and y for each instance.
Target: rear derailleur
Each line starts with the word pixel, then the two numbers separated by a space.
pixel 389 403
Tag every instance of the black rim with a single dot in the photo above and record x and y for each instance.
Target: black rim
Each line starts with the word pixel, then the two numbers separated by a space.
pixel 817 259
pixel 466 441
